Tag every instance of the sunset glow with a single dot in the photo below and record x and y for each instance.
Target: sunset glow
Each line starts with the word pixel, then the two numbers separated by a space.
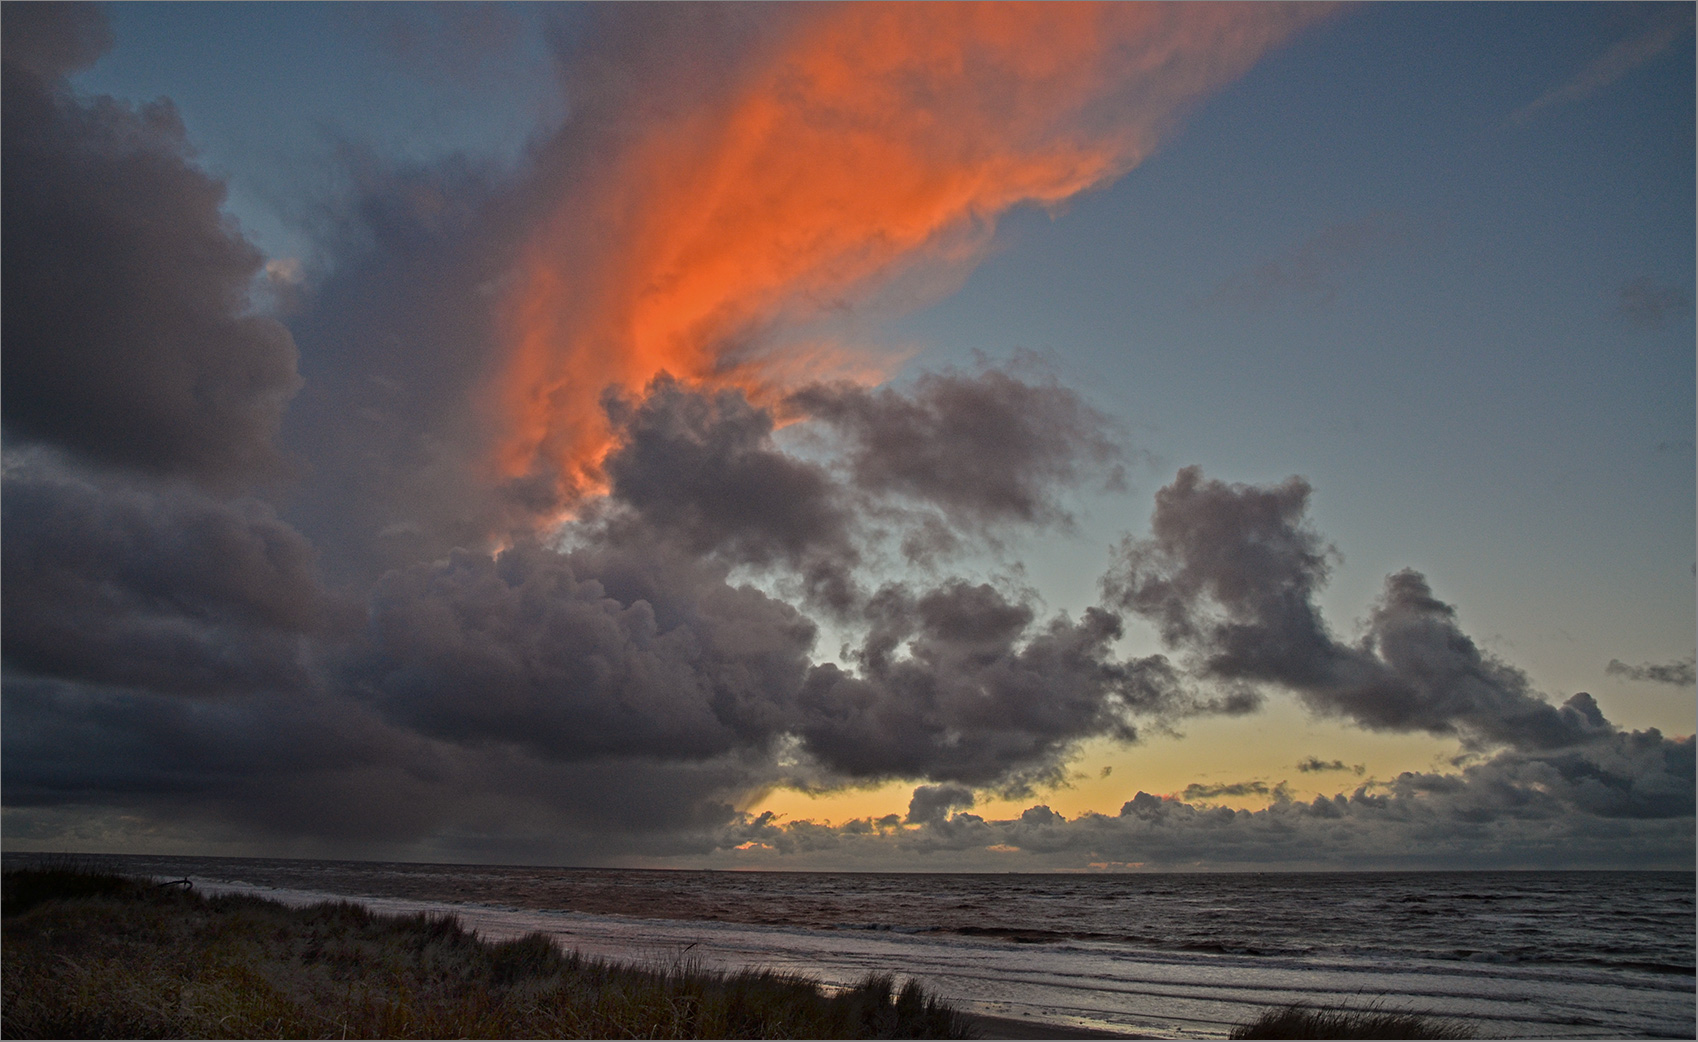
pixel 868 143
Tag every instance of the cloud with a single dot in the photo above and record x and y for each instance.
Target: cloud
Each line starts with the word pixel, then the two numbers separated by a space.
pixel 1204 791
pixel 1680 672
pixel 933 803
pixel 159 588
pixel 130 339
pixel 319 774
pixel 1310 271
pixel 962 683
pixel 1230 576
pixel 1624 802
pixel 631 645
pixel 791 168
pixel 703 468
pixel 604 652
pixel 53 40
pixel 551 582
pixel 985 449
pixel 1647 304
pixel 1663 28
pixel 1313 764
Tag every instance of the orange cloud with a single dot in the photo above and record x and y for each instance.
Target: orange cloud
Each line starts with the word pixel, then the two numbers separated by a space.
pixel 857 148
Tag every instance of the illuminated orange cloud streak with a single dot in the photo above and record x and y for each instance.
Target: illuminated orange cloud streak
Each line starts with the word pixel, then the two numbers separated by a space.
pixel 861 145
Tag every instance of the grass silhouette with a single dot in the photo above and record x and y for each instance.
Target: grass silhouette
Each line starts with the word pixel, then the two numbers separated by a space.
pixel 94 955
pixel 1299 1021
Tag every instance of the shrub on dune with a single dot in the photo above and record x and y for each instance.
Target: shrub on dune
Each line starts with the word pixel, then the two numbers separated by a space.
pixel 1299 1021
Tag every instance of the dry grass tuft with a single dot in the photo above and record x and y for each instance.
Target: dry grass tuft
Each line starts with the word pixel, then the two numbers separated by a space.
pixel 103 956
pixel 1307 1022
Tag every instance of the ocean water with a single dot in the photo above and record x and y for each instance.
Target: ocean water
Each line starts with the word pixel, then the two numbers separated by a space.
pixel 1514 954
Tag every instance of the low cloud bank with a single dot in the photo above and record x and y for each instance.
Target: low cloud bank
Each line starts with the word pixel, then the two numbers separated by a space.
pixel 1626 802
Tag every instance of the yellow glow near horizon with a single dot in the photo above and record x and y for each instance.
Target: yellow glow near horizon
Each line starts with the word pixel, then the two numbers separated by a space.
pixel 1265 748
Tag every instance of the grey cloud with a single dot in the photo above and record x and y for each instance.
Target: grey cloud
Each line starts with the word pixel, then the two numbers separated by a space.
pixel 573 656
pixel 934 802
pixel 1249 551
pixel 301 766
pixel 1315 763
pixel 320 774
pixel 53 40
pixel 986 448
pixel 983 695
pixel 1680 673
pixel 392 341
pixel 1199 790
pixel 1310 271
pixel 703 468
pixel 1630 774
pixel 645 650
pixel 160 588
pixel 1230 576
pixel 129 337
pixel 1648 304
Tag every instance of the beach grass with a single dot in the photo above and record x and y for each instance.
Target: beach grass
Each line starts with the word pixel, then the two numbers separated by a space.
pixel 93 955
pixel 1298 1021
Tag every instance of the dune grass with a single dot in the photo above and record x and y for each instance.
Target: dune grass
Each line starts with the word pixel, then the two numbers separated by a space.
pixel 91 955
pixel 1307 1022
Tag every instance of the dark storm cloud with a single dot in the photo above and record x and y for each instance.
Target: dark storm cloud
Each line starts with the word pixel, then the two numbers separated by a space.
pixel 703 468
pixel 646 650
pixel 1230 576
pixel 1680 673
pixel 129 337
pixel 597 653
pixel 934 802
pixel 961 683
pixel 162 588
pixel 302 766
pixel 986 448
pixel 325 774
pixel 1648 304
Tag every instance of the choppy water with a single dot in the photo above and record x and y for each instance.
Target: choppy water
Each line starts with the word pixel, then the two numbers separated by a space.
pixel 1517 954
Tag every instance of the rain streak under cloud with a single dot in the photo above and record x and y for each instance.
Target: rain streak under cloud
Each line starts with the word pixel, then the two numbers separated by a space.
pixel 520 532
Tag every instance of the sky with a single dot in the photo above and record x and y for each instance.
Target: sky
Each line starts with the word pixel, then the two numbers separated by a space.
pixel 851 437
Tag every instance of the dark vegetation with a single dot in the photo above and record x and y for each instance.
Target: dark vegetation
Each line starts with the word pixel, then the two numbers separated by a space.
pixel 1307 1022
pixel 91 955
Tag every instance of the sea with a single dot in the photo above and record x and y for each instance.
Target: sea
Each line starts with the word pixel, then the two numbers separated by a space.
pixel 1183 955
